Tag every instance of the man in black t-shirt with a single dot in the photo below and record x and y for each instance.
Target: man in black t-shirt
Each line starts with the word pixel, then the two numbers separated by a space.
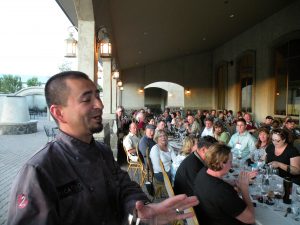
pixel 188 169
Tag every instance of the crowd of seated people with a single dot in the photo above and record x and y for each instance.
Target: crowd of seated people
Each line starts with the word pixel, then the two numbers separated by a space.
pixel 212 134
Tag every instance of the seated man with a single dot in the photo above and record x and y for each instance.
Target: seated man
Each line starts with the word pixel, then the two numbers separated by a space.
pixel 220 203
pixel 190 166
pixel 242 142
pixel 250 125
pixel 208 130
pixel 131 141
pixel 290 127
pixel 268 123
pixel 161 125
pixel 147 141
pixel 192 126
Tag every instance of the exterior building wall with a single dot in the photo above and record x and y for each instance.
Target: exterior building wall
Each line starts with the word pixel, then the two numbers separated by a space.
pixel 260 38
pixel 197 72
pixel 193 72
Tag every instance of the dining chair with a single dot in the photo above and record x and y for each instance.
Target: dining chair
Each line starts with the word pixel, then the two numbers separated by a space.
pixel 159 187
pixel 135 167
pixel 190 221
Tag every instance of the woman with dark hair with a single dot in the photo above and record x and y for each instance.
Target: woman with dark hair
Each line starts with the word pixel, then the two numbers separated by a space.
pixel 219 133
pixel 220 203
pixel 259 154
pixel 282 155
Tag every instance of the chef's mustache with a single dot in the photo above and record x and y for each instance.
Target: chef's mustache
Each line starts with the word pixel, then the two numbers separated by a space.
pixel 96 112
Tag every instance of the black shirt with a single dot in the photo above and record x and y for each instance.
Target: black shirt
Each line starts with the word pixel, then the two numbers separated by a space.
pixel 219 202
pixel 288 153
pixel 186 174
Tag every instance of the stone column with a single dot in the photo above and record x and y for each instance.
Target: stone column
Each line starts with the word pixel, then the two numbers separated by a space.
pixel 107 89
pixel 86 49
pixel 114 95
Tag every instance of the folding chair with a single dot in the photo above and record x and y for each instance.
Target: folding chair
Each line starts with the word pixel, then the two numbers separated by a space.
pixel 170 191
pixel 135 167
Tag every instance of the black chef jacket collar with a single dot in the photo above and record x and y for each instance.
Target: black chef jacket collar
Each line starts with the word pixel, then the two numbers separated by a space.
pixel 78 147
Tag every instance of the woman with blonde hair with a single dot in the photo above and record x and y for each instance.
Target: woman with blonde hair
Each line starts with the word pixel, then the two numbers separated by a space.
pixel 189 146
pixel 162 151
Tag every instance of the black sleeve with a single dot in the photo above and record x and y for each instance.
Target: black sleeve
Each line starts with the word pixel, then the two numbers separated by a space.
pixel 32 199
pixel 236 206
pixel 294 152
pixel 129 191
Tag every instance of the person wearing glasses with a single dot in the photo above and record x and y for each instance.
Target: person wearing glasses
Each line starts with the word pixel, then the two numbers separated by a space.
pixel 282 155
pixel 164 152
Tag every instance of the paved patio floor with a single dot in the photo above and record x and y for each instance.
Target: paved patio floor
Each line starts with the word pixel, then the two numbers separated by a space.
pixel 14 151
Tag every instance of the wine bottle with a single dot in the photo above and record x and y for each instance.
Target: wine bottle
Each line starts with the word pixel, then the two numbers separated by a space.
pixel 287 185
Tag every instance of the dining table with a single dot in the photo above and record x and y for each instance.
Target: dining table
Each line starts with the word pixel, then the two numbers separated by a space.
pixel 266 192
pixel 176 144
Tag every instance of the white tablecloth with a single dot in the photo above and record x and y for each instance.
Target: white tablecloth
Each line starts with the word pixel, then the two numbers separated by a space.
pixel 176 145
pixel 267 216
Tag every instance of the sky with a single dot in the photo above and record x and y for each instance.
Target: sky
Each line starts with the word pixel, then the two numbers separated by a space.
pixel 32 34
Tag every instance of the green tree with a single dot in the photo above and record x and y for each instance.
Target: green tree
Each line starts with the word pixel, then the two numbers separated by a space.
pixel 10 83
pixel 33 82
pixel 100 88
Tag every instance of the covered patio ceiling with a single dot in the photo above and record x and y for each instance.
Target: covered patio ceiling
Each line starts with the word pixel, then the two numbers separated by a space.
pixel 145 32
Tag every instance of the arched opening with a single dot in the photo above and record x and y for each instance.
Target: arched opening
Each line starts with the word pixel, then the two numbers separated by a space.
pixel 164 94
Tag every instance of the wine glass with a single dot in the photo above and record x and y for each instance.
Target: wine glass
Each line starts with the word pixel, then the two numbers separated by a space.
pixel 133 219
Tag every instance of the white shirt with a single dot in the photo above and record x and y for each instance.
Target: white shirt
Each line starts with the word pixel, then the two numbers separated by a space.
pixel 130 141
pixel 166 157
pixel 207 132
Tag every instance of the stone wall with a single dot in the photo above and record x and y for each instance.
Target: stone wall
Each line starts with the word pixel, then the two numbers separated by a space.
pixel 18 128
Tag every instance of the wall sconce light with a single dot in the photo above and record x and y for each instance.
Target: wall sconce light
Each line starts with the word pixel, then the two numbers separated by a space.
pixel 116 74
pixel 120 83
pixel 277 93
pixel 170 94
pixel 104 43
pixel 141 90
pixel 71 44
pixel 188 91
pixel 122 88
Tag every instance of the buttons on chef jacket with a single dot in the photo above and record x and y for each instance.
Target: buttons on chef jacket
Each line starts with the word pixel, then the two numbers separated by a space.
pixel 92 188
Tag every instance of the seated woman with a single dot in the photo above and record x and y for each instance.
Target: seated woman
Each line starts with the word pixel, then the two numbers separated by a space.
pixel 220 203
pixel 219 133
pixel 161 151
pixel 189 146
pixel 259 154
pixel 282 155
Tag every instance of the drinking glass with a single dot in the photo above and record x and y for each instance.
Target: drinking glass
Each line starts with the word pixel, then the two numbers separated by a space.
pixel 278 191
pixel 152 220
pixel 297 193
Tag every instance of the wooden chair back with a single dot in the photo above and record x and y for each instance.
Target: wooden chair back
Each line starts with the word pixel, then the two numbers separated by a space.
pixel 170 191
